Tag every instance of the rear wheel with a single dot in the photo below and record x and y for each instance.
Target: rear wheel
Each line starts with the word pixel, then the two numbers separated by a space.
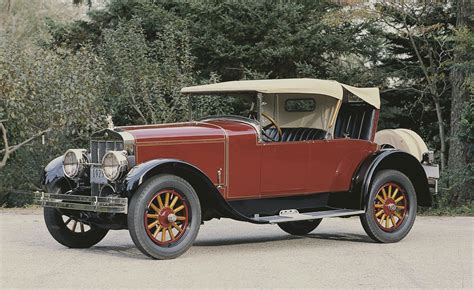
pixel 300 228
pixel 391 207
pixel 164 217
pixel 69 231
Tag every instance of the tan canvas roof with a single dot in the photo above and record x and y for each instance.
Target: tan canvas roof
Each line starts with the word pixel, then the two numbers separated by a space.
pixel 289 86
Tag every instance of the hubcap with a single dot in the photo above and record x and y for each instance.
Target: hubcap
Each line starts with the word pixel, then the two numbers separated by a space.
pixel 167 217
pixel 390 206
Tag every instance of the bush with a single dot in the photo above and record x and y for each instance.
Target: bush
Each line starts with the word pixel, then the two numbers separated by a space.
pixel 44 89
pixel 145 77
pixel 72 92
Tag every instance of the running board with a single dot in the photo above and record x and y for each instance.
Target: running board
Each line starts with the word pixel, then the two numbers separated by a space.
pixel 293 215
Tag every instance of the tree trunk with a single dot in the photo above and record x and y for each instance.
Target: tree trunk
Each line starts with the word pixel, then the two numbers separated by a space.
pixel 442 135
pixel 458 151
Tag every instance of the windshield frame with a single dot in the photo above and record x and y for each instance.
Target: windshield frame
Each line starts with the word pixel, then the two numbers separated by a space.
pixel 255 123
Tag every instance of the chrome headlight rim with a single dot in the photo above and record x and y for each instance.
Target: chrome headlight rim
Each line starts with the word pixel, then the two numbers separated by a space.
pixel 80 161
pixel 117 169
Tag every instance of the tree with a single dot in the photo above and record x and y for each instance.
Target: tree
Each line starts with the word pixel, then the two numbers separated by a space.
pixel 236 39
pixel 419 44
pixel 145 78
pixel 459 162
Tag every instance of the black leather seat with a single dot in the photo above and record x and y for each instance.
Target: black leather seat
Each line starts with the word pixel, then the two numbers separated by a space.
pixel 354 121
pixel 295 134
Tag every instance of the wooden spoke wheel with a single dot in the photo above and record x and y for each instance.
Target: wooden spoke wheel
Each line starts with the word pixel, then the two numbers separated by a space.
pixel 390 206
pixel 70 231
pixel 164 216
pixel 167 217
pixel 74 225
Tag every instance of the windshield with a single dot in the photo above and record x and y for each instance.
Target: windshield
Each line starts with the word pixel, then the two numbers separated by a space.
pixel 203 106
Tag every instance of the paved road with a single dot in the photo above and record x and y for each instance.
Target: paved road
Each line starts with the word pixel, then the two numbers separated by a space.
pixel 437 253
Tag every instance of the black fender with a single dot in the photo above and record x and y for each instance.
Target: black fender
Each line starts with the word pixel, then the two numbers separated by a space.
pixel 396 160
pixel 53 175
pixel 209 195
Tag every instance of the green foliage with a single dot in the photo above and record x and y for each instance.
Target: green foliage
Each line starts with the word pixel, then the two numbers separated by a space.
pixel 238 39
pixel 72 92
pixel 408 97
pixel 465 48
pixel 145 77
pixel 42 89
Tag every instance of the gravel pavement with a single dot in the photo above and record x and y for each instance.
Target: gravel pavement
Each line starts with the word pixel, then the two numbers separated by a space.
pixel 438 253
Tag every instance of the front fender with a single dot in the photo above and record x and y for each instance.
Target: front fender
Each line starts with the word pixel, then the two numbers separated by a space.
pixel 204 187
pixel 138 174
pixel 53 175
pixel 396 160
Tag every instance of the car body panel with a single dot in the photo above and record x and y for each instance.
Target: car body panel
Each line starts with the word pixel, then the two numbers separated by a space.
pixel 242 167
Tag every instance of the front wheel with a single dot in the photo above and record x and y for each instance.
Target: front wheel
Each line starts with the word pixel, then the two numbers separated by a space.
pixel 164 217
pixel 390 207
pixel 69 231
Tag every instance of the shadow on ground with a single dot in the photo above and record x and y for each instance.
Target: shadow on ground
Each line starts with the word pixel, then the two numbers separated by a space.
pixel 130 251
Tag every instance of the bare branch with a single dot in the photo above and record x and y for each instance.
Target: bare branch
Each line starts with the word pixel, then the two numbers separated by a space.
pixel 400 89
pixel 8 150
pixel 5 142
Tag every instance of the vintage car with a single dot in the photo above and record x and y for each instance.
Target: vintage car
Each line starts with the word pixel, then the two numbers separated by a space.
pixel 288 152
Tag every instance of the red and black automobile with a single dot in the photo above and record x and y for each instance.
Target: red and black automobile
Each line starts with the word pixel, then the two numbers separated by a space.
pixel 288 152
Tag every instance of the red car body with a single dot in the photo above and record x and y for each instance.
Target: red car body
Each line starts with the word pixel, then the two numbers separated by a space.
pixel 250 169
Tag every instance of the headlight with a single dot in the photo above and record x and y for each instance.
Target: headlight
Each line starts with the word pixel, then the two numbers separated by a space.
pixel 74 162
pixel 114 164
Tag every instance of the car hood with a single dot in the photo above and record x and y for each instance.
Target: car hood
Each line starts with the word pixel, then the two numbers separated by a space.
pixel 189 131
pixel 175 132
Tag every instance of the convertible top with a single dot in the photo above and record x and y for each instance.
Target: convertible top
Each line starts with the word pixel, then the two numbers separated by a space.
pixel 289 86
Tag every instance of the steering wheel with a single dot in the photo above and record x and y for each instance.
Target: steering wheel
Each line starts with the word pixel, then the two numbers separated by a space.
pixel 272 124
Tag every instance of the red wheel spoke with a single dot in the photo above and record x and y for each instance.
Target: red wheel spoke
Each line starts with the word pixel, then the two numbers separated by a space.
pixel 153 224
pixel 157 231
pixel 157 210
pixel 163 235
pixel 178 209
pixel 175 199
pixel 397 215
pixel 177 227
pixel 380 199
pixel 167 199
pixel 160 203
pixel 399 199
pixel 170 230
pixel 393 220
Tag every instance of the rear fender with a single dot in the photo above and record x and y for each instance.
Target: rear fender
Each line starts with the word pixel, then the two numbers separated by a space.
pixel 396 160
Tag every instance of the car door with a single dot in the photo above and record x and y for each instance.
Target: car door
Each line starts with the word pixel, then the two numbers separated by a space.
pixel 332 163
pixel 284 168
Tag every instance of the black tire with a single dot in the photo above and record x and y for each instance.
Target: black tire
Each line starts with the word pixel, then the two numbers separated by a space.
pixel 139 210
pixel 58 228
pixel 300 228
pixel 372 225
